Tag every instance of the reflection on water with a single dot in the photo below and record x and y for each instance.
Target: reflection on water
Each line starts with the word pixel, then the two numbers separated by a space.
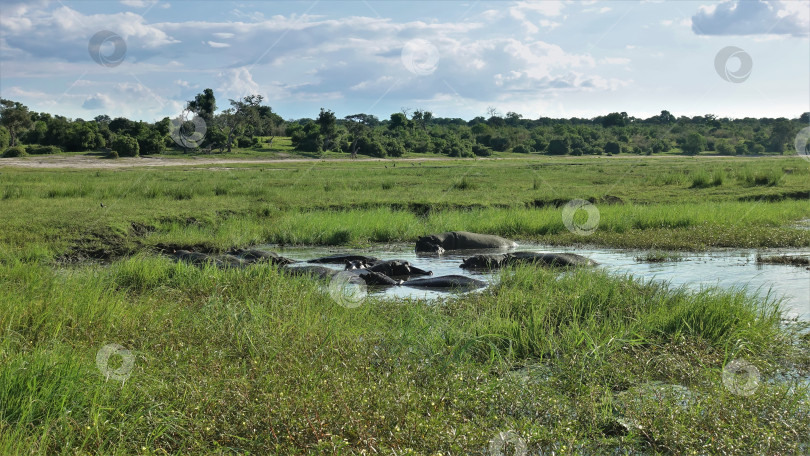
pixel 732 268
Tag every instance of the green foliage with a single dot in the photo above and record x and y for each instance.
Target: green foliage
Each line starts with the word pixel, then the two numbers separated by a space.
pixel 559 146
pixel 760 177
pixel 5 138
pixel 612 147
pixel 151 142
pixel 36 149
pixel 694 144
pixel 523 149
pixel 126 146
pixel 14 152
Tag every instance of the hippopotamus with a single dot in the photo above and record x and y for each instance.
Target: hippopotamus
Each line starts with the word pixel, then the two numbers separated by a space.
pixel 256 255
pixel 449 281
pixel 375 278
pixel 395 268
pixel 319 272
pixel 199 259
pixel 461 240
pixel 494 261
pixel 343 258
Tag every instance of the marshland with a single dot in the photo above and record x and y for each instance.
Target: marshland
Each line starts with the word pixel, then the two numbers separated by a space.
pixel 252 360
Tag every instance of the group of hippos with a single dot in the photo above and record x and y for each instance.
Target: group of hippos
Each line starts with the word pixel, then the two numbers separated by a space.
pixel 373 271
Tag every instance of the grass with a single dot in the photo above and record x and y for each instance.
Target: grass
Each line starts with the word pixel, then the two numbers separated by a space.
pixel 657 256
pixel 784 259
pixel 210 376
pixel 251 361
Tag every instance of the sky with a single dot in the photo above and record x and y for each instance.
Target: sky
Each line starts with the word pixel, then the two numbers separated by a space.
pixel 145 59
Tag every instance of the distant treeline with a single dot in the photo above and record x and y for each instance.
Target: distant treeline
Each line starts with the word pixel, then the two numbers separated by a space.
pixel 246 120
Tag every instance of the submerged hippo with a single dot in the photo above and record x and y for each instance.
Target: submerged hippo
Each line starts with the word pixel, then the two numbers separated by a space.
pixel 343 258
pixel 460 240
pixel 200 259
pixel 396 268
pixel 256 255
pixel 448 281
pixel 375 278
pixel 319 272
pixel 496 261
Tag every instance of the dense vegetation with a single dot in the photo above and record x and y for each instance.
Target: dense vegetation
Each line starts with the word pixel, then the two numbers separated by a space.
pixel 247 121
pixel 251 361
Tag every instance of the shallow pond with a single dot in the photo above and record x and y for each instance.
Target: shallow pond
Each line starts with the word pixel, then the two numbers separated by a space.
pixel 727 268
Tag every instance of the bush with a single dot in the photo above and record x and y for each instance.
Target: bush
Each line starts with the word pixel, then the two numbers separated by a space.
pixel 559 147
pixel 481 150
pixel 151 142
pixel 612 147
pixel 13 152
pixel 243 141
pixel 37 149
pixel 5 137
pixel 723 147
pixel 522 149
pixel 112 154
pixel 126 146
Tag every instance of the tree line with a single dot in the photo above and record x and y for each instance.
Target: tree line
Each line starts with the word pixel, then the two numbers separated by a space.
pixel 247 121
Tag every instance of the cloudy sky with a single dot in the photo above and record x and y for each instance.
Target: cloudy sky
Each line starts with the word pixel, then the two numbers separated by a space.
pixel 144 59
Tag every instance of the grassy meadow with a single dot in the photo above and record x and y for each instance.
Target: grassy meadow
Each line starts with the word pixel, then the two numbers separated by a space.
pixel 251 361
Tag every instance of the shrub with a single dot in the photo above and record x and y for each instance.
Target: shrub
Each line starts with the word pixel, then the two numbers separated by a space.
pixel 481 151
pixel 612 147
pixel 15 151
pixel 559 147
pixel 37 149
pixel 126 146
pixel 112 154
pixel 5 137
pixel 523 149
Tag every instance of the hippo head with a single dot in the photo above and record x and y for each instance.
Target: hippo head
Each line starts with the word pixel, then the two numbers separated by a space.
pixel 430 244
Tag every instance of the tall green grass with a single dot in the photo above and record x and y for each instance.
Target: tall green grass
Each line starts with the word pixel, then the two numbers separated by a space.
pixel 252 361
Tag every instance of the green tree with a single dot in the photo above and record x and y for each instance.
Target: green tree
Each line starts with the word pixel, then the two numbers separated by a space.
pixel 695 143
pixel 559 147
pixel 15 117
pixel 126 146
pixel 327 123
pixel 612 147
pixel 5 138
pixel 781 133
pixel 151 142
pixel 204 105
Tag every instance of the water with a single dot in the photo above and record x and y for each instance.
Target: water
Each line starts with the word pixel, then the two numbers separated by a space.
pixel 726 268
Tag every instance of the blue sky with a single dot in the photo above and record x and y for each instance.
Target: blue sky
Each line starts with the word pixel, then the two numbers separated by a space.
pixel 455 58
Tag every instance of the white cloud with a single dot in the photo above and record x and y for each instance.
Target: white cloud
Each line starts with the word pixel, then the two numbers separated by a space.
pixel 217 45
pixel 614 61
pixel 754 17
pixel 97 101
pixel 237 83
pixel 138 3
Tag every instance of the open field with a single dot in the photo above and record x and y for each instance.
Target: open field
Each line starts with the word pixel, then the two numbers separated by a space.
pixel 250 361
